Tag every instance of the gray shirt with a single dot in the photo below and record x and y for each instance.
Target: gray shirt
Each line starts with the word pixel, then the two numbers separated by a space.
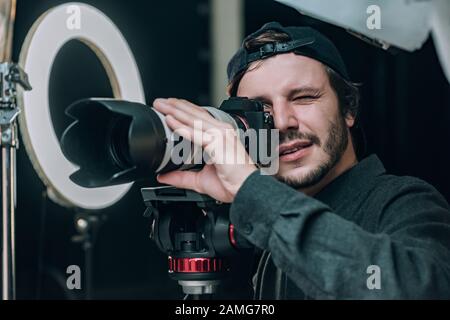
pixel 367 235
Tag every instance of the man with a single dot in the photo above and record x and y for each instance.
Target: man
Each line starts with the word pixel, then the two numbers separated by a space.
pixel 330 227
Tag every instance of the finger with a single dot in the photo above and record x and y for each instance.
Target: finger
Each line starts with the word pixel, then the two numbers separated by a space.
pixel 188 106
pixel 191 109
pixel 195 135
pixel 169 105
pixel 187 112
pixel 197 111
pixel 182 116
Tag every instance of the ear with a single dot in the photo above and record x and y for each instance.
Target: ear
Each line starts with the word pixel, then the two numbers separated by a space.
pixel 228 90
pixel 350 120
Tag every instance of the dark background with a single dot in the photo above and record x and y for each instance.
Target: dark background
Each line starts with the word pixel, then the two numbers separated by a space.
pixel 405 114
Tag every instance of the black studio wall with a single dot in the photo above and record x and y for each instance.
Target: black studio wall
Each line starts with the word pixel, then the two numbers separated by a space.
pixel 405 113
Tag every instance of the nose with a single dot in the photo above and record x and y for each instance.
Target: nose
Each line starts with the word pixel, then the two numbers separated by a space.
pixel 284 116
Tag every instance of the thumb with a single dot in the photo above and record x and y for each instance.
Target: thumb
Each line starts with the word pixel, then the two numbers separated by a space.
pixel 179 179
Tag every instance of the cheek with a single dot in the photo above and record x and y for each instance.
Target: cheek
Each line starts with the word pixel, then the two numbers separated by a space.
pixel 313 119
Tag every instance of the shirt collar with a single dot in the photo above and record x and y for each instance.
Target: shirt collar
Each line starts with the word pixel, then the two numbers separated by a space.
pixel 352 182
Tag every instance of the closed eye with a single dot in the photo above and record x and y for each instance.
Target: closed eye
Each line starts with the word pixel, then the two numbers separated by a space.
pixel 309 98
pixel 306 97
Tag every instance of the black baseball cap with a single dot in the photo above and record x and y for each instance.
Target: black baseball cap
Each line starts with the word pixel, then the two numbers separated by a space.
pixel 303 41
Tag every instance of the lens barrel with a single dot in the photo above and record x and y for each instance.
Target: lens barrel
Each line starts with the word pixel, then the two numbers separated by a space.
pixel 116 142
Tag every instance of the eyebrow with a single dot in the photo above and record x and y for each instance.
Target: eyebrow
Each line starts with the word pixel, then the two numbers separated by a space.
pixel 301 90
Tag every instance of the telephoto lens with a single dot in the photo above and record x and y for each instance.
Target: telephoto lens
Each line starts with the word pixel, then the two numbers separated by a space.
pixel 115 142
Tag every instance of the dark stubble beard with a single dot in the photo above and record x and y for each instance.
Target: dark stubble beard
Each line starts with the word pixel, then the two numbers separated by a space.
pixel 334 147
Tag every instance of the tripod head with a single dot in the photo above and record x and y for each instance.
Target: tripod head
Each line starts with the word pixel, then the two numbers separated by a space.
pixel 195 232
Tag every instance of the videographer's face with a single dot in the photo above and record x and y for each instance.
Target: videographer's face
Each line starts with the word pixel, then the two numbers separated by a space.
pixel 313 133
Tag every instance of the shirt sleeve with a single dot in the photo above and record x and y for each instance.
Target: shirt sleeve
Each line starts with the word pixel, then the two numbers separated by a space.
pixel 329 257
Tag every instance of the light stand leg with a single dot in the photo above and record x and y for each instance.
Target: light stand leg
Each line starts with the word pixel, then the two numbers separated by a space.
pixel 8 230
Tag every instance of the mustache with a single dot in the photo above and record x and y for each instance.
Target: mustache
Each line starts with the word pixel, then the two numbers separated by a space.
pixel 297 135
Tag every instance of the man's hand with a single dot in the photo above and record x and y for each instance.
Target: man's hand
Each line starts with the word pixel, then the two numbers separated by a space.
pixel 230 165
